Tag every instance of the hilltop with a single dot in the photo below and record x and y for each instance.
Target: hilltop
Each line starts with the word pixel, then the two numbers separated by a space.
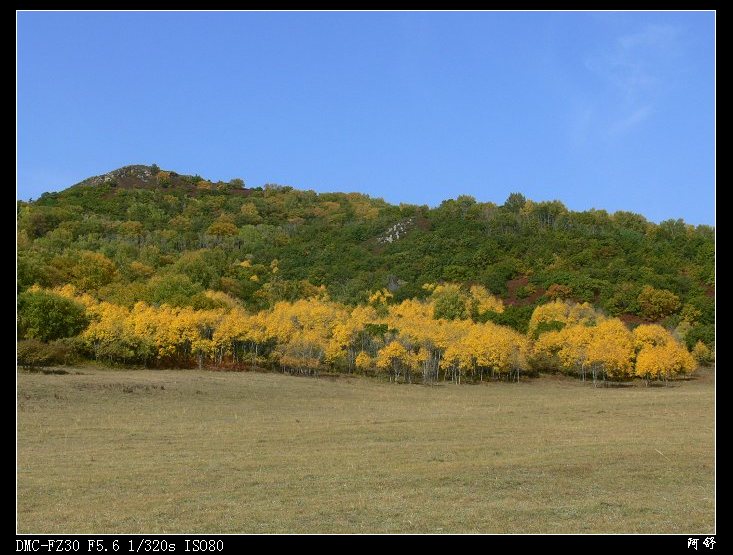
pixel 152 177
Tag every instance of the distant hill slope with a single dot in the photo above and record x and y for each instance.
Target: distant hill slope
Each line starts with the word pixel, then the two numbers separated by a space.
pixel 142 233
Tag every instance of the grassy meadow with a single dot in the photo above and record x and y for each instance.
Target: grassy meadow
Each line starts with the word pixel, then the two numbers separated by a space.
pixel 144 451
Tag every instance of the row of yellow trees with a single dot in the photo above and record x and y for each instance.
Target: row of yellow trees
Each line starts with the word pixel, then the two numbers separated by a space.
pixel 404 341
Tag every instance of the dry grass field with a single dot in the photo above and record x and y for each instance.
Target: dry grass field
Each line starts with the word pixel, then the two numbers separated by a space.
pixel 193 451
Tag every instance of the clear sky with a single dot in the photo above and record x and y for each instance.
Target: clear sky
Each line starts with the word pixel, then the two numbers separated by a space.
pixel 599 110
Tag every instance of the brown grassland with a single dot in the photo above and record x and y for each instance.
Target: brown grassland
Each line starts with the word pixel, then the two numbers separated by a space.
pixel 144 451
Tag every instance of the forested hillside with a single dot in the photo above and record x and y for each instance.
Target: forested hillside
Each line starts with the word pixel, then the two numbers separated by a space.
pixel 173 242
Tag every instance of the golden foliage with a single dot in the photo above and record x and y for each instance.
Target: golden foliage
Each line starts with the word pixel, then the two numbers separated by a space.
pixel 611 348
pixel 397 339
pixel 564 312
pixel 364 361
pixel 482 301
pixel 703 354
pixel 663 361
pixel 380 297
pixel 223 229
pixel 652 335
pixel 391 357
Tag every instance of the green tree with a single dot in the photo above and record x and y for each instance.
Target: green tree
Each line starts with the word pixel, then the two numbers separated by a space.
pixel 657 303
pixel 172 289
pixel 450 304
pixel 47 316
pixel 249 214
pixel 515 202
pixel 222 229
pixel 92 270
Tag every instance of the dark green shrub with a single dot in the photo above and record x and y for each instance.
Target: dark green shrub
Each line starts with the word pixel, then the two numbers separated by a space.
pixel 32 353
pixel 47 316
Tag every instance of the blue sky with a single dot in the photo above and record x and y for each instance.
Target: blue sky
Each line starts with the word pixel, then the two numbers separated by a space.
pixel 599 110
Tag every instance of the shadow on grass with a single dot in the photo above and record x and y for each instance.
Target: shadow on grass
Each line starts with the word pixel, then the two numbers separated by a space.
pixel 57 371
pixel 616 385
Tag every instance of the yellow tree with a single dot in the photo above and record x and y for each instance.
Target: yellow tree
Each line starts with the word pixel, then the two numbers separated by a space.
pixel 611 350
pixel 663 361
pixel 417 328
pixel 364 362
pixel 448 336
pixel 703 354
pixel 564 350
pixel 545 351
pixel 574 344
pixel 347 337
pixel 481 301
pixel 459 359
pixel 195 329
pixel 506 350
pixel 391 358
pixel 233 334
pixel 659 354
pixel 564 313
pixel 380 300
pixel 304 331
pixel 651 335
pixel 112 335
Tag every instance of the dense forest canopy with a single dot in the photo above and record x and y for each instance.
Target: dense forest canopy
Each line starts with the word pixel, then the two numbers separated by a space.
pixel 144 234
